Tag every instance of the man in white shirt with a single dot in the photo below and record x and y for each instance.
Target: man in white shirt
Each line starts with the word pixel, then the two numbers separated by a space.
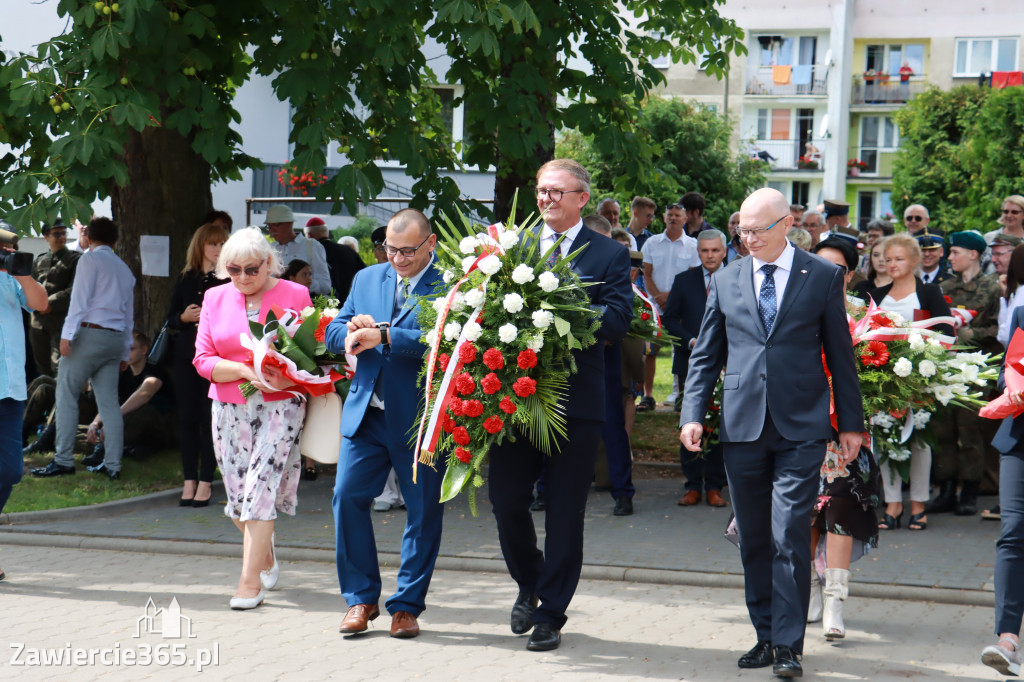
pixel 665 256
pixel 95 345
pixel 291 246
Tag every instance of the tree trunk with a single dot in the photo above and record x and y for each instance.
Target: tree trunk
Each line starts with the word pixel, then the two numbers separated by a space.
pixel 168 194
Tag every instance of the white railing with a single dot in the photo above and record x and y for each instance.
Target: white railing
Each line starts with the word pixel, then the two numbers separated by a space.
pixel 787 155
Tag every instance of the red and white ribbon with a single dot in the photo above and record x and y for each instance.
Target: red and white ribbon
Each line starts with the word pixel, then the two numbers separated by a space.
pixel 650 304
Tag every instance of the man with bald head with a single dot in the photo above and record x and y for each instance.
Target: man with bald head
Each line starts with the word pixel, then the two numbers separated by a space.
pixel 769 316
pixel 378 325
pixel 916 219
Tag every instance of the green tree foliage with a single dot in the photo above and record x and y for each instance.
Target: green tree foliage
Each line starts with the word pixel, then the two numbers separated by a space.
pixel 995 153
pixel 690 151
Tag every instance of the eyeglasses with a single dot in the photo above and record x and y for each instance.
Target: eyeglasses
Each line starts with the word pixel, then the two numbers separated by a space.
pixel 555 195
pixel 914 218
pixel 743 232
pixel 251 271
pixel 1011 212
pixel 406 251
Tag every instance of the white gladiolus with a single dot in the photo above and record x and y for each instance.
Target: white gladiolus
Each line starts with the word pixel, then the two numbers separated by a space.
pixel 943 394
pixel 307 312
pixel 475 298
pixel 452 331
pixel 926 368
pixel 916 341
pixel 536 343
pixel 468 245
pixel 900 454
pixel 547 281
pixel 542 319
pixel 472 330
pixel 522 274
pixel 513 303
pixel 903 368
pixel 490 265
pixel 507 333
pixel 467 263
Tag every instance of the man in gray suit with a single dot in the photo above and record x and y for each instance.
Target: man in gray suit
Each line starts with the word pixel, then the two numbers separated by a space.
pixel 768 318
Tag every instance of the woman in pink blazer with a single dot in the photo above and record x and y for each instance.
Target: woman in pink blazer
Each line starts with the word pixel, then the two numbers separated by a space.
pixel 255 440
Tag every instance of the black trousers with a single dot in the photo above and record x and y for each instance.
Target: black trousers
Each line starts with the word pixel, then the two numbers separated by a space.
pixel 195 435
pixel 554 573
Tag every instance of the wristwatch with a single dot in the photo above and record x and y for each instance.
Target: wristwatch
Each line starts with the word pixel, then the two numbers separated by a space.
pixel 385 333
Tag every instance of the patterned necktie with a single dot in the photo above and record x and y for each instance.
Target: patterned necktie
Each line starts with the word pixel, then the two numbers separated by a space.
pixel 555 254
pixel 767 303
pixel 400 298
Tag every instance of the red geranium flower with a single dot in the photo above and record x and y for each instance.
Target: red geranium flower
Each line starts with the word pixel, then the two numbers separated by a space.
pixel 645 316
pixel 490 384
pixel 494 359
pixel 467 353
pixel 464 384
pixel 527 359
pixel 447 423
pixel 455 405
pixel 460 435
pixel 524 387
pixel 493 424
pixel 442 361
pixel 507 406
pixel 876 354
pixel 463 455
pixel 472 408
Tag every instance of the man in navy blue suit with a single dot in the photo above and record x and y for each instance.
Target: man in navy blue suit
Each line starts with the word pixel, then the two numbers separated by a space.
pixel 547 580
pixel 769 317
pixel 378 324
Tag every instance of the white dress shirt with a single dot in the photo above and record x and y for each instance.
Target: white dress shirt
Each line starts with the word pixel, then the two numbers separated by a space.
pixel 312 252
pixel 548 237
pixel 102 294
pixel 781 275
pixel 1006 308
pixel 669 257
pixel 929 277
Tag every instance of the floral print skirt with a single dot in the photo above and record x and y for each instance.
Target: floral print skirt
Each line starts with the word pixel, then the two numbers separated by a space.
pixel 257 449
pixel 847 497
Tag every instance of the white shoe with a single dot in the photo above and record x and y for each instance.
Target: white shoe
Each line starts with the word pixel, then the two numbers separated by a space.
pixel 1003 659
pixel 268 578
pixel 835 593
pixel 381 506
pixel 246 603
pixel 814 610
pixel 671 399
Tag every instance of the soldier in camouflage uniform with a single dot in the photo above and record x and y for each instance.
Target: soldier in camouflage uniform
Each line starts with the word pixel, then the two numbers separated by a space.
pixel 959 453
pixel 55 270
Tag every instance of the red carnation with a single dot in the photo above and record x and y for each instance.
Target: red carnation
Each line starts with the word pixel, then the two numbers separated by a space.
pixel 460 435
pixel 464 384
pixel 493 424
pixel 455 405
pixel 463 455
pixel 527 359
pixel 442 361
pixel 467 353
pixel 494 359
pixel 645 316
pixel 472 408
pixel 524 387
pixel 507 406
pixel 875 354
pixel 447 423
pixel 490 384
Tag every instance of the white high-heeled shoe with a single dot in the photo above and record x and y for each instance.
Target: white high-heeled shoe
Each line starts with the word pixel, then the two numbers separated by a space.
pixel 246 603
pixel 268 578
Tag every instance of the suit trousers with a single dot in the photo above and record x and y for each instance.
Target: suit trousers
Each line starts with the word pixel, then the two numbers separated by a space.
pixel 1010 547
pixel 363 467
pixel 11 460
pixel 554 573
pixel 95 357
pixel 773 483
pixel 613 432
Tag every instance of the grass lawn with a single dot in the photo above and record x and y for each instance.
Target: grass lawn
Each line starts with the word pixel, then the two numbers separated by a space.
pixel 159 471
pixel 656 434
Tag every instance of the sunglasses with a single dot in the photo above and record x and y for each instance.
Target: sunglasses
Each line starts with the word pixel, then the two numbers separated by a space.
pixel 1005 212
pixel 914 218
pixel 251 271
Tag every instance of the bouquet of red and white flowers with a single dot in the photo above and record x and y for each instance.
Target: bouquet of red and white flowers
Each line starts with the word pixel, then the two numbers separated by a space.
pixel 647 323
pixel 500 344
pixel 293 343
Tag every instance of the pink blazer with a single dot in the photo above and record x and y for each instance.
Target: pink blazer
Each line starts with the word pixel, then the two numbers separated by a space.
pixel 222 321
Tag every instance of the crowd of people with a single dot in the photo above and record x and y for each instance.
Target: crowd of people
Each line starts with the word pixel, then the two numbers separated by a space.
pixel 773 285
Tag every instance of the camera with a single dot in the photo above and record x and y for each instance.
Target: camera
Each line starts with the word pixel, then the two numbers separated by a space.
pixel 16 263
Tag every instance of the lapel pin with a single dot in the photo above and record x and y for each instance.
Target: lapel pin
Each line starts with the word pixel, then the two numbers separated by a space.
pixel 803 272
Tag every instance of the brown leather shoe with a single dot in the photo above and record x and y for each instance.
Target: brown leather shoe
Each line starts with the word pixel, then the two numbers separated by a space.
pixel 691 498
pixel 715 499
pixel 404 625
pixel 357 618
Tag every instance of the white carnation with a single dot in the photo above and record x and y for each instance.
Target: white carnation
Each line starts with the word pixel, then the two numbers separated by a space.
pixel 926 367
pixel 507 333
pixel 452 331
pixel 458 301
pixel 903 368
pixel 475 298
pixel 934 342
pixel 522 274
pixel 513 303
pixel 536 343
pixel 921 419
pixel 916 341
pixel 543 318
pixel 547 281
pixel 431 337
pixel 439 304
pixel 508 239
pixel 490 265
pixel 329 312
pixel 467 263
pixel 333 303
pixel 896 317
pixel 472 330
pixel 307 312
pixel 448 276
pixel 468 245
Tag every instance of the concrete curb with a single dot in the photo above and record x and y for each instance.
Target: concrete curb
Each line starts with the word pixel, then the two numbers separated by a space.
pixel 452 563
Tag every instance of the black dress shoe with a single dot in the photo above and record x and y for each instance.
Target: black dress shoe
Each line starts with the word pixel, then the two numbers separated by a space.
pixel 104 471
pixel 96 458
pixel 53 469
pixel 623 506
pixel 522 612
pixel 758 657
pixel 786 663
pixel 545 637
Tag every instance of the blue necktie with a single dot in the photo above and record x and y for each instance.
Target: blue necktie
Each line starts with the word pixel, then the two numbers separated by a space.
pixel 767 303
pixel 555 255
pixel 400 297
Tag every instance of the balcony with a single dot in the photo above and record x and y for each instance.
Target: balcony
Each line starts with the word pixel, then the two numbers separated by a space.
pixel 789 155
pixel 879 163
pixel 802 81
pixel 885 89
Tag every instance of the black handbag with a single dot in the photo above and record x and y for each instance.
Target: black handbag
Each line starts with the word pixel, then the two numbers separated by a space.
pixel 159 350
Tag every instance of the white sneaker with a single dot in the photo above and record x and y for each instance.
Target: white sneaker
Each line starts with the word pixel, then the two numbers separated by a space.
pixel 671 399
pixel 1003 659
pixel 381 506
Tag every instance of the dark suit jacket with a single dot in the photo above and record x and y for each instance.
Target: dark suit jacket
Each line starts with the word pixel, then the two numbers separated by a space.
pixel 780 372
pixel 1011 430
pixel 343 264
pixel 930 297
pixel 684 312
pixel 604 262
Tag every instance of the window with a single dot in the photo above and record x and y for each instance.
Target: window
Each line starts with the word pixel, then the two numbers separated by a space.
pixel 663 61
pixel 877 134
pixel 786 51
pixel 773 124
pixel 975 56
pixel 890 58
pixel 801 193
pixel 865 209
